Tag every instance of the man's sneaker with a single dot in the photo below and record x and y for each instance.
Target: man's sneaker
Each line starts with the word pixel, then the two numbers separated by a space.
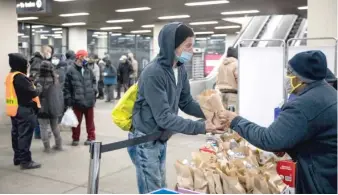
pixel 30 165
pixel 75 143
pixel 16 162
pixel 88 142
pixel 57 148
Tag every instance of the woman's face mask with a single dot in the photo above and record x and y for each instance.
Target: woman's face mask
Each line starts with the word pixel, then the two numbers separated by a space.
pixel 289 84
pixel 55 61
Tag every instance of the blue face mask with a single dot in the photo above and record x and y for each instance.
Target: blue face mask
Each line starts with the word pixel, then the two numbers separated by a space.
pixel 84 62
pixel 185 57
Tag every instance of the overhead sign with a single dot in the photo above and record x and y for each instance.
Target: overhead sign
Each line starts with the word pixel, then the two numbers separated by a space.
pixel 33 6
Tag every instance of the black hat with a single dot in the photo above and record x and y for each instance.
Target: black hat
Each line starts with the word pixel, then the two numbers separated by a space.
pixel 232 52
pixel 182 33
pixel 18 62
pixel 309 66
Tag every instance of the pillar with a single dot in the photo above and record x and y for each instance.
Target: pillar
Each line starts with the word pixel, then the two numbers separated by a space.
pixel 77 38
pixel 37 42
pixel 156 31
pixel 322 20
pixel 9 44
pixel 102 45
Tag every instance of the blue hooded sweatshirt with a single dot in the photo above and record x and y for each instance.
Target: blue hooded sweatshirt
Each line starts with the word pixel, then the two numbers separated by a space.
pixel 159 98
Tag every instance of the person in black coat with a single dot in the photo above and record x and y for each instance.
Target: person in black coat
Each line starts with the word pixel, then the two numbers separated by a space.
pixel 79 93
pixel 125 69
pixel 25 121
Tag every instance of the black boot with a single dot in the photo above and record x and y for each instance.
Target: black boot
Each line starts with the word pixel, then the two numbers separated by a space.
pixel 30 165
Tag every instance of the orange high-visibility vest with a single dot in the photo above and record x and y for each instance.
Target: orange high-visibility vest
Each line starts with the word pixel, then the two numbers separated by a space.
pixel 11 98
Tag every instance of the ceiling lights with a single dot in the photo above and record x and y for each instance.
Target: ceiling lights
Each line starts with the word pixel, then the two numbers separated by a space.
pixel 148 26
pixel 58 32
pixel 120 21
pixel 173 17
pixel 41 31
pixel 115 34
pixel 219 35
pixel 303 8
pixel 27 18
pixel 201 38
pixel 203 23
pixel 36 26
pixel 133 9
pixel 240 12
pixel 54 29
pixel 204 33
pixel 228 27
pixel 111 28
pixel 201 3
pixel 140 31
pixel 74 14
pixel 20 34
pixel 100 33
pixel 74 24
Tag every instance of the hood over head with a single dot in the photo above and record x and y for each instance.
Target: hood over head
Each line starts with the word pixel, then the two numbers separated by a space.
pixel 166 41
pixel 227 61
pixel 18 62
pixel 70 55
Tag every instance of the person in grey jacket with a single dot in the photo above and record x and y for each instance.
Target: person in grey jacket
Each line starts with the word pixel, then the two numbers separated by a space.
pixel 163 88
pixel 306 128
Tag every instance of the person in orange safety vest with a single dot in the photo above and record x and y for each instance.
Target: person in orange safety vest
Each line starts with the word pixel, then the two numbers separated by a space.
pixel 22 105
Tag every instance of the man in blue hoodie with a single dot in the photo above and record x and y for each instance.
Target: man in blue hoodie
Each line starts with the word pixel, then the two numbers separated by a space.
pixel 163 89
pixel 306 127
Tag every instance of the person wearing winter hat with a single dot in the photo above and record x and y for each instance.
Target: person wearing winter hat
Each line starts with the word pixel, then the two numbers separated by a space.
pixel 79 93
pixel 306 128
pixel 22 105
pixel 163 88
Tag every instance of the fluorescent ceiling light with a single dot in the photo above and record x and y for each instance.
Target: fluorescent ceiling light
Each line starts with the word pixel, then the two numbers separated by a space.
pixel 74 14
pixel 36 26
pixel 240 12
pixel 95 35
pixel 303 8
pixel 228 27
pixel 115 34
pixel 201 39
pixel 64 0
pixel 203 23
pixel 100 33
pixel 204 33
pixel 27 18
pixel 148 38
pixel 120 21
pixel 74 24
pixel 133 9
pixel 58 37
pixel 56 28
pixel 140 31
pixel 102 36
pixel 201 3
pixel 25 36
pixel 42 31
pixel 58 32
pixel 111 28
pixel 20 34
pixel 219 35
pixel 173 17
pixel 148 26
pixel 237 32
pixel 130 35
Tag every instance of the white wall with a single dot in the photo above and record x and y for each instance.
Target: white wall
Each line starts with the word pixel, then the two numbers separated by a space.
pixel 156 32
pixel 322 20
pixel 9 44
pixel 77 38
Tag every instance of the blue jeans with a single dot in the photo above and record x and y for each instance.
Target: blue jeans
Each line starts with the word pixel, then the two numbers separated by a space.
pixel 149 159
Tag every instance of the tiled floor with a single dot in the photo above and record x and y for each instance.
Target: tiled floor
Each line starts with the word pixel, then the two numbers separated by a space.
pixel 67 171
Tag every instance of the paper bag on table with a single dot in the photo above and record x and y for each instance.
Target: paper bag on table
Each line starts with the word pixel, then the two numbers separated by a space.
pixel 200 181
pixel 276 184
pixel 218 183
pixel 203 157
pixel 211 182
pixel 231 185
pixel 256 184
pixel 211 103
pixel 184 176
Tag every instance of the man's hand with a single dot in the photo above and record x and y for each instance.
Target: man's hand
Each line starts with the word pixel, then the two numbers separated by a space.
pixel 211 128
pixel 226 117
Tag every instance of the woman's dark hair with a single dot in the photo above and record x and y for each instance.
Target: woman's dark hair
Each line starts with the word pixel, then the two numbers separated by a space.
pixel 232 52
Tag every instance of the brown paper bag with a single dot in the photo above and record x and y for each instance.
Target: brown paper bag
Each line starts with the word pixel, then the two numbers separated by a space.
pixel 208 159
pixel 257 183
pixel 227 137
pixel 200 181
pixel 211 103
pixel 184 176
pixel 218 184
pixel 276 184
pixel 211 182
pixel 231 185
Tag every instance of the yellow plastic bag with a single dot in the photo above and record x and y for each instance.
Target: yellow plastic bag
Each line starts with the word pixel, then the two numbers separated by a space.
pixel 123 111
